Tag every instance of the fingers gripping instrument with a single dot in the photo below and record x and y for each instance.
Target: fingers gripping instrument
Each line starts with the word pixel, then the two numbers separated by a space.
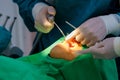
pixel 51 20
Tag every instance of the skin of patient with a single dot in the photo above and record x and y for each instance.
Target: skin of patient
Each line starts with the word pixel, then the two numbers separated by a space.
pixel 66 50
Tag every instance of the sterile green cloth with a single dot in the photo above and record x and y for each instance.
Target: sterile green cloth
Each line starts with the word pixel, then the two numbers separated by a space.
pixel 42 67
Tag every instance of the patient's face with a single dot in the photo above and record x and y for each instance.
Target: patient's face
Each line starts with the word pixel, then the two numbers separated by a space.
pixel 66 50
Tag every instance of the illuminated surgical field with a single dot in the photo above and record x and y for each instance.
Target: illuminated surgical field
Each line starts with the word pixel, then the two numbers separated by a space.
pixel 66 50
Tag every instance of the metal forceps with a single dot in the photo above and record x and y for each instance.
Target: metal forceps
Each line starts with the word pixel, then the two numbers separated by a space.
pixel 61 29
pixel 51 19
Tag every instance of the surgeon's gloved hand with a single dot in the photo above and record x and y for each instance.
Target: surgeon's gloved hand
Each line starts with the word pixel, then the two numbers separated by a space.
pixel 42 22
pixel 5 37
pixel 102 50
pixel 90 32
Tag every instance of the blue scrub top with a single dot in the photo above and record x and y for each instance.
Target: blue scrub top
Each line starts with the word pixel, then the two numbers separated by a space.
pixel 74 11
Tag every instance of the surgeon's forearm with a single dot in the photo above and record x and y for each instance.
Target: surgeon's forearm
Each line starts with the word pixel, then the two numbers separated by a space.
pixel 112 23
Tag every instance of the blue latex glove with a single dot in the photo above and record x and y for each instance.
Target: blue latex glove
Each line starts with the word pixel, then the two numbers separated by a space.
pixel 5 37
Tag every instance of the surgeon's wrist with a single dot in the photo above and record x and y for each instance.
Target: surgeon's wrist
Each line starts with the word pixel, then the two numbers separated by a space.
pixel 117 46
pixel 36 9
pixel 111 23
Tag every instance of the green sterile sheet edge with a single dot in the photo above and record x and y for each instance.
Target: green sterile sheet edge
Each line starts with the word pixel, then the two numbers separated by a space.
pixel 105 68
pixel 41 66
